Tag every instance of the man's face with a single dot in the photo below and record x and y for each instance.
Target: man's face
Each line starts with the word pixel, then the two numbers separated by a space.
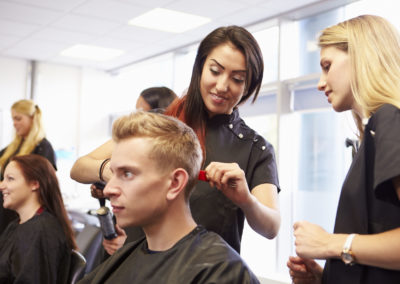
pixel 137 188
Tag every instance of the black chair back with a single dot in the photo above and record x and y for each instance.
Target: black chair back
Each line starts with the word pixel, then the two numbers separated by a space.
pixel 78 263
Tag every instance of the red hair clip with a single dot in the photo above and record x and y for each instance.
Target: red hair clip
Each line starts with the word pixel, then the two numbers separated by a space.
pixel 202 176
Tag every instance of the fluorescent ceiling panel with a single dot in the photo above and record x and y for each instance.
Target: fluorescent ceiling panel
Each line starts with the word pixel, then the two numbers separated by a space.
pixel 91 52
pixel 168 20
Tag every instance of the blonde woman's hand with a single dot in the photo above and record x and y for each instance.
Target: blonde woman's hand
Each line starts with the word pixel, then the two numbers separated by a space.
pixel 304 271
pixel 312 241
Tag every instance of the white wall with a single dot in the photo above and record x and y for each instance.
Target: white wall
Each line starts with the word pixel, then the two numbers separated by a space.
pixel 77 104
pixel 13 75
pixel 277 280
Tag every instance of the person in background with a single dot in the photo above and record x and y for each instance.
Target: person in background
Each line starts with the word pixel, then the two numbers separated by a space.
pixel 360 63
pixel 240 165
pixel 29 138
pixel 86 168
pixel 154 99
pixel 36 247
pixel 150 187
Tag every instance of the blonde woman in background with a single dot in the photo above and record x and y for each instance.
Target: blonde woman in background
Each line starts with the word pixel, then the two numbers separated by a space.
pixel 29 138
pixel 360 61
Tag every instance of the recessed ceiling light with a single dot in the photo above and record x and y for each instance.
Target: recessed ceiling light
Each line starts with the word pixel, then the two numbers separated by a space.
pixel 91 52
pixel 168 20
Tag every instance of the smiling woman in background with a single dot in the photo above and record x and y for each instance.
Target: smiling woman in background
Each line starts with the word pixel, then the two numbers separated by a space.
pixel 29 138
pixel 36 247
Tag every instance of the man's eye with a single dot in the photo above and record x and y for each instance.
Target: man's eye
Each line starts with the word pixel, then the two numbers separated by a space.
pixel 128 174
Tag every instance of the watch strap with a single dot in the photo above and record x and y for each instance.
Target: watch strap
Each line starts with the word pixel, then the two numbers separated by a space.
pixel 347 255
pixel 349 241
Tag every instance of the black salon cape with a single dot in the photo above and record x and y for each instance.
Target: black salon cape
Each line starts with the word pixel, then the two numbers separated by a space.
pixel 34 252
pixel 359 210
pixel 199 257
pixel 43 149
pixel 230 140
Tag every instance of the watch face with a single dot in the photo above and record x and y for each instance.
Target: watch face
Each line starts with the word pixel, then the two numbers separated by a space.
pixel 347 258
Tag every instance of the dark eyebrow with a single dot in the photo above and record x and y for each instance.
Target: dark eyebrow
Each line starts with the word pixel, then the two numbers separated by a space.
pixel 123 168
pixel 126 168
pixel 222 67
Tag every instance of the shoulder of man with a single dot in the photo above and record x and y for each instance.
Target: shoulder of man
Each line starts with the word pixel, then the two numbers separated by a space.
pixel 105 269
pixel 220 262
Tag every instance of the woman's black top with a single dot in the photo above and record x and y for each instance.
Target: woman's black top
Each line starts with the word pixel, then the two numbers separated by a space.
pixel 360 211
pixel 230 140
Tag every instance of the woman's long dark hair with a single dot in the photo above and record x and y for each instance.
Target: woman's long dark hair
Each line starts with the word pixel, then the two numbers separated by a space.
pixel 38 168
pixel 191 108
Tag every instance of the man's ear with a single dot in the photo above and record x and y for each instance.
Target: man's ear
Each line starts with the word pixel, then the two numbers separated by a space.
pixel 179 179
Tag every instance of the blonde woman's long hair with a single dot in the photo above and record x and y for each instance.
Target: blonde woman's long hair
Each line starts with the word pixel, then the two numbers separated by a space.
pixel 373 45
pixel 36 133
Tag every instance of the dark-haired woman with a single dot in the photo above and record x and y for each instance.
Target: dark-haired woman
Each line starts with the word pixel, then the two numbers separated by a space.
pixel 35 248
pixel 240 165
pixel 155 99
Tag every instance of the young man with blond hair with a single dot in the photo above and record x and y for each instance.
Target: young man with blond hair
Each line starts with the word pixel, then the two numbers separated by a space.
pixel 155 163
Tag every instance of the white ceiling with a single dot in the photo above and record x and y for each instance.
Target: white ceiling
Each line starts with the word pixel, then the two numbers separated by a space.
pixel 40 29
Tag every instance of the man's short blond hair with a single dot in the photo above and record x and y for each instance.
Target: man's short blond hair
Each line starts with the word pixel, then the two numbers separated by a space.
pixel 174 144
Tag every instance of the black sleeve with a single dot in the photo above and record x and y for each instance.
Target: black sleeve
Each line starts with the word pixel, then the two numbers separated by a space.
pixel 45 149
pixel 264 163
pixel 387 152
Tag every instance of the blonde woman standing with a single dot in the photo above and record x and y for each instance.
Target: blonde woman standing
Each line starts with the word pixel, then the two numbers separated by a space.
pixel 29 138
pixel 360 63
